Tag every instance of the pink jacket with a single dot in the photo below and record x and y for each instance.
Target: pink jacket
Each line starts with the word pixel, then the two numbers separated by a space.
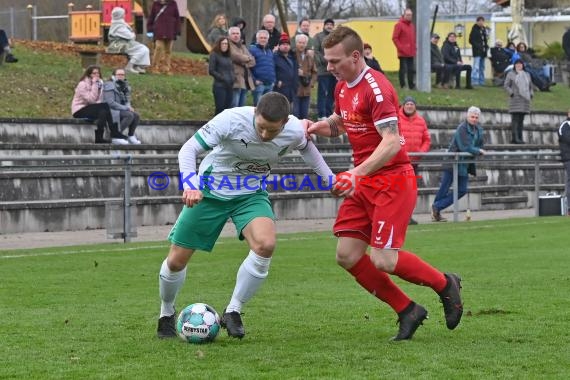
pixel 415 132
pixel 86 93
pixel 404 37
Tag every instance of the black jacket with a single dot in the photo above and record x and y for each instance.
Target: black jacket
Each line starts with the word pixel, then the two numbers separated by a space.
pixel 435 55
pixel 221 67
pixel 564 140
pixel 478 41
pixel 451 53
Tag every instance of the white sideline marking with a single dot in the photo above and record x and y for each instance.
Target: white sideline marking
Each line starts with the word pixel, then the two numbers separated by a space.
pixel 73 252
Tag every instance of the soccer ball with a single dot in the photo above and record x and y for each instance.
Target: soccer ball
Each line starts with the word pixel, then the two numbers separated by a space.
pixel 198 323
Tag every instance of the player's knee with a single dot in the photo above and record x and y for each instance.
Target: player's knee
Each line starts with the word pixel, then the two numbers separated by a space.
pixel 178 258
pixel 264 247
pixel 384 260
pixel 344 259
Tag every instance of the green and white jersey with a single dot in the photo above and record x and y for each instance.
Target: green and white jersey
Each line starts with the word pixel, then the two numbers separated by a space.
pixel 239 159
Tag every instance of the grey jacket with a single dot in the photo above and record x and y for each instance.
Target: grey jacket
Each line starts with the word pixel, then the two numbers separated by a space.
pixel 517 102
pixel 117 98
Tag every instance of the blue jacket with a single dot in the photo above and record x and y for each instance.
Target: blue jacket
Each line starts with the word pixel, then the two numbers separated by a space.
pixel 264 69
pixel 286 71
pixel 467 138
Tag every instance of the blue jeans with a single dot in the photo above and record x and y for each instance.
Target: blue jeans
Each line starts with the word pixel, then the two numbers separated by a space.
pixel 478 73
pixel 325 95
pixel 301 106
pixel 239 97
pixel 444 196
pixel 261 89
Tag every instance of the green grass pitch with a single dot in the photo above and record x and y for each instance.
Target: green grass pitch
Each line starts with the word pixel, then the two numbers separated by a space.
pixel 90 312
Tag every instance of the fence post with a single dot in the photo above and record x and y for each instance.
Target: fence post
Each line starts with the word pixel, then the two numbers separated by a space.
pixel 127 201
pixel 455 187
pixel 12 18
pixel 536 184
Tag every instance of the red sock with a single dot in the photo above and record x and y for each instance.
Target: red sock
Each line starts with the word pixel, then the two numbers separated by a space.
pixel 379 284
pixel 413 269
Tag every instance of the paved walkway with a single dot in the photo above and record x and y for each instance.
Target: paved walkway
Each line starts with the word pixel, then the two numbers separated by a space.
pixel 159 233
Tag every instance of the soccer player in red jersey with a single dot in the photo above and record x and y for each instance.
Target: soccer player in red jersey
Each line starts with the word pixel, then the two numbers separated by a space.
pixel 366 109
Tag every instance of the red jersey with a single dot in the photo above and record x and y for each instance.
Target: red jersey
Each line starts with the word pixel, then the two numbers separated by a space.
pixel 369 101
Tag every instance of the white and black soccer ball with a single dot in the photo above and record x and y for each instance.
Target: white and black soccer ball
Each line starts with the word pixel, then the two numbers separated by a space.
pixel 198 323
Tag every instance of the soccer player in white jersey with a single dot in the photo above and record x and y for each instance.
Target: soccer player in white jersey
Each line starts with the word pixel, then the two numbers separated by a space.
pixel 243 142
pixel 377 212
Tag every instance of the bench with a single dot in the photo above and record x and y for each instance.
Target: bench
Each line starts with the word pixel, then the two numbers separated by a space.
pixel 95 55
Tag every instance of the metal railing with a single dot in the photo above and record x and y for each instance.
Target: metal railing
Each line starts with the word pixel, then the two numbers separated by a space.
pixel 128 160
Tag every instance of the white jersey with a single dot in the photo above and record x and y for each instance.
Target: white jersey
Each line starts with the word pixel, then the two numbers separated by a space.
pixel 239 159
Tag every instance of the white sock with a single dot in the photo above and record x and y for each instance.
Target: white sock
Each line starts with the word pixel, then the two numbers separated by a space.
pixel 169 283
pixel 251 274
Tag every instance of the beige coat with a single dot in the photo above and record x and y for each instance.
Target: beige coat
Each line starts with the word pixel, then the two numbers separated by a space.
pixel 243 61
pixel 307 64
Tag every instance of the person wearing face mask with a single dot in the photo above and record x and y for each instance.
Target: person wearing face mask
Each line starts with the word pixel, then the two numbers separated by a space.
pixel 88 104
pixel 117 93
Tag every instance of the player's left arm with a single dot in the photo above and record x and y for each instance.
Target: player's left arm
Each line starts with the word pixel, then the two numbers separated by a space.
pixel 388 148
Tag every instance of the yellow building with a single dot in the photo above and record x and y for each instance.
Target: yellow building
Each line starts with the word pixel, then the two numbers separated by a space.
pixel 541 30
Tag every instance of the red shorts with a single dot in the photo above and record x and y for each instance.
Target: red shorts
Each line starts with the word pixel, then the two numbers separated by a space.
pixel 379 214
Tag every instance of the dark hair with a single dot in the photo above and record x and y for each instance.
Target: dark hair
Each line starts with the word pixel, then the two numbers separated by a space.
pixel 480 18
pixel 304 19
pixel 218 46
pixel 273 106
pixel 522 44
pixel 89 70
pixel 350 40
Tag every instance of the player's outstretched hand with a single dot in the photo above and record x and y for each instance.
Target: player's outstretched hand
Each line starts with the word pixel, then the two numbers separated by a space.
pixel 191 197
pixel 345 184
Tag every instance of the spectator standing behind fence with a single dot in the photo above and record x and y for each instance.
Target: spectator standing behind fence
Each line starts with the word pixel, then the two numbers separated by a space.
pixel 307 77
pixel 164 24
pixel 88 103
pixel 5 49
pixel 219 28
pixel 117 93
pixel 478 40
pixel 564 142
pixel 264 70
pixel 404 38
pixel 414 129
pixel 286 69
pixel 326 81
pixel 452 56
pixel 268 24
pixel 370 60
pixel 220 67
pixel 122 41
pixel 243 61
pixel 468 138
pixel 519 87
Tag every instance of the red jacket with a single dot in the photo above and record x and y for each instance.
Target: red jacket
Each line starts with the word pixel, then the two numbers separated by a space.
pixel 404 37
pixel 415 132
pixel 167 25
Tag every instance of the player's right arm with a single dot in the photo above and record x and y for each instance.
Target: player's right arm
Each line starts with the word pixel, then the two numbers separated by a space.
pixel 331 127
pixel 188 173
